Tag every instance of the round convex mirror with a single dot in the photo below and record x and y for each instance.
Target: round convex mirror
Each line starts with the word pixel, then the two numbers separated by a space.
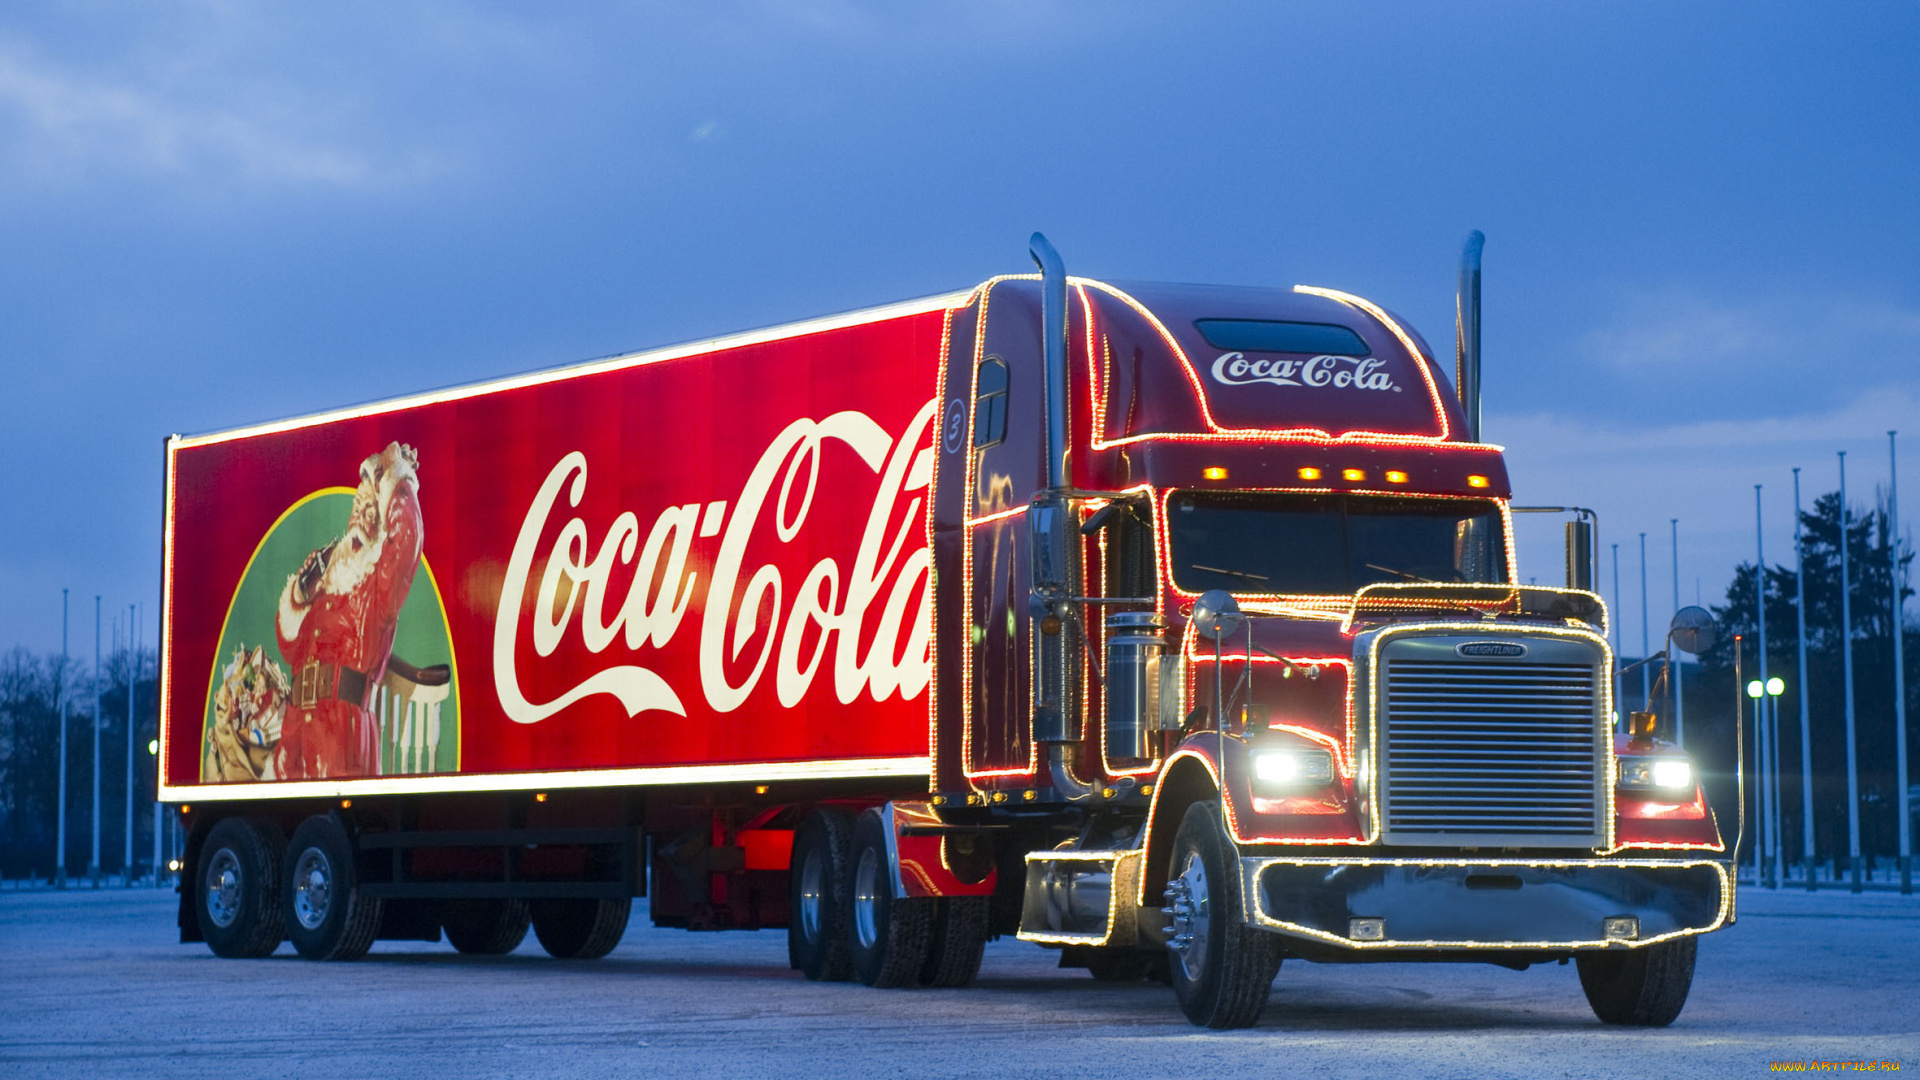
pixel 1216 616
pixel 1693 630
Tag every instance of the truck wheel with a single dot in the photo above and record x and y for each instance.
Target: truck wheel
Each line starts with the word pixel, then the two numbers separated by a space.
pixel 1644 987
pixel 237 902
pixel 486 927
pixel 580 929
pixel 892 935
pixel 959 940
pixel 817 894
pixel 1222 968
pixel 327 916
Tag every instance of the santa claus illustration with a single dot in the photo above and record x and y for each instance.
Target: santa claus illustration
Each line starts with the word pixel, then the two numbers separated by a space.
pixel 336 623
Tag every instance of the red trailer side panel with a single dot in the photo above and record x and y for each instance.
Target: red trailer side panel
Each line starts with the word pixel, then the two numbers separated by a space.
pixel 711 561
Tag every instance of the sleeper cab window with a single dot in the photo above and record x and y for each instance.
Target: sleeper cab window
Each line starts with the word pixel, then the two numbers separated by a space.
pixel 990 403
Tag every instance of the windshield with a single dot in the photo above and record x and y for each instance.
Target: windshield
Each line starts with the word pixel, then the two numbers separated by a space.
pixel 1330 544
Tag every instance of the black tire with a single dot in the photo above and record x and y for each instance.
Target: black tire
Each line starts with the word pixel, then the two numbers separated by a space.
pixel 1225 970
pixel 237 898
pixel 959 941
pixel 328 917
pixel 1644 987
pixel 486 927
pixel 580 929
pixel 818 911
pixel 890 935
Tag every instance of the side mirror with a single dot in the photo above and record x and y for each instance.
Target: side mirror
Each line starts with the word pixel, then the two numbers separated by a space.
pixel 1693 630
pixel 1216 616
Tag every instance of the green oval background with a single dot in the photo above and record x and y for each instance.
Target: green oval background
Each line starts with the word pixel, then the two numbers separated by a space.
pixel 421 637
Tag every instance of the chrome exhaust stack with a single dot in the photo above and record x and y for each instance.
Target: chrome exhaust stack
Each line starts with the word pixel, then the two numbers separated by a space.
pixel 1466 338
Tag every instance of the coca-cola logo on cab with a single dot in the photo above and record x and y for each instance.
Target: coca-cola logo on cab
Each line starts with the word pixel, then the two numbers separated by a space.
pixel 1339 372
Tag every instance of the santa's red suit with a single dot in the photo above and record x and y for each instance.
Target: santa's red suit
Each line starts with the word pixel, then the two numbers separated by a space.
pixel 336 623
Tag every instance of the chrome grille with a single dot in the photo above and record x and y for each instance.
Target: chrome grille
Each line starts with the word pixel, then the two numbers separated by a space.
pixel 1482 752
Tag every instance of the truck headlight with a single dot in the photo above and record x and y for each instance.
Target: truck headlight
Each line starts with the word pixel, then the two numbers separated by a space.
pixel 1662 773
pixel 1292 768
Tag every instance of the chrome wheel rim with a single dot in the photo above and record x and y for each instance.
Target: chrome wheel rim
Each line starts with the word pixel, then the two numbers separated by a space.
pixel 812 881
pixel 866 898
pixel 223 888
pixel 312 888
pixel 1188 909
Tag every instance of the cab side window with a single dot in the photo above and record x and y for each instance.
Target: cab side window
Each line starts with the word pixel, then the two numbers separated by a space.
pixel 990 403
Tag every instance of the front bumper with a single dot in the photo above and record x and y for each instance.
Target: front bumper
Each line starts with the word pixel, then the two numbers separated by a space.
pixel 1496 904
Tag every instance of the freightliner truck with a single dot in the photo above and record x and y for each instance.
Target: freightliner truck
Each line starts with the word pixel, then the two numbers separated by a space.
pixel 1176 628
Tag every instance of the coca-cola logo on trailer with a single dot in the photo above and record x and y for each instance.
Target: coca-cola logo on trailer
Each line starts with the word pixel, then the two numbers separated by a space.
pixel 737 641
pixel 1339 372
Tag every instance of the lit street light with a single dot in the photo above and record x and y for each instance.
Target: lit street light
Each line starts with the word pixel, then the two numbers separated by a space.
pixel 1767 779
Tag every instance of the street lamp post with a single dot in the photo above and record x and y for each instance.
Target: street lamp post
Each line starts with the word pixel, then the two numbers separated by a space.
pixel 1806 718
pixel 1767 846
pixel 1899 668
pixel 1846 676
pixel 133 680
pixel 1762 760
pixel 60 714
pixel 1679 670
pixel 93 863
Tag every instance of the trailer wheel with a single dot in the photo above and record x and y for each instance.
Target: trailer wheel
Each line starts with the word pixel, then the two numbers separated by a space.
pixel 327 915
pixel 892 935
pixel 817 891
pixel 1644 987
pixel 237 902
pixel 582 929
pixel 959 940
pixel 486 927
pixel 1222 969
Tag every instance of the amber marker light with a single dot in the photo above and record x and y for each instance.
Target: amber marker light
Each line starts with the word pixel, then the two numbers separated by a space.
pixel 540 796
pixel 1476 481
pixel 1214 472
pixel 1308 472
pixel 346 804
pixel 1395 476
pixel 1353 474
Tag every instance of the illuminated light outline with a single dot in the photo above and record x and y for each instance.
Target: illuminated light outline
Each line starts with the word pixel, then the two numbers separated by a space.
pixel 1307 434
pixel 1421 360
pixel 1164 542
pixel 863 317
pixel 434 783
pixel 164 661
pixel 1353 601
pixel 985 293
pixel 1159 596
pixel 933 512
pixel 1251 867
pixel 1603 715
pixel 1114 891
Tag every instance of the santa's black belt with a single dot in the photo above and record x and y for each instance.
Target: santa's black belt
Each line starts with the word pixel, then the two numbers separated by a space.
pixel 316 682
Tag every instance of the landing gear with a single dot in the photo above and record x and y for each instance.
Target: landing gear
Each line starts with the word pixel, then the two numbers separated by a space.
pixel 327 916
pixel 1222 969
pixel 818 910
pixel 1644 987
pixel 237 899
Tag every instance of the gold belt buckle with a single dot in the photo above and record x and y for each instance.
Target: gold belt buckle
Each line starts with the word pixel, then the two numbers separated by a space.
pixel 307 693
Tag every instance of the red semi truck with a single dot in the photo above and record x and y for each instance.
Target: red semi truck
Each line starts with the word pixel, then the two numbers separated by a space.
pixel 1172 627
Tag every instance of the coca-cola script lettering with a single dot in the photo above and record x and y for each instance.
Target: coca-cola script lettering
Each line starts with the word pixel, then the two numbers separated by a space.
pixel 745 628
pixel 1340 372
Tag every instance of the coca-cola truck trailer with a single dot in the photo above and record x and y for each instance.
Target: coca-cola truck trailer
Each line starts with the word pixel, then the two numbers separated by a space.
pixel 1172 627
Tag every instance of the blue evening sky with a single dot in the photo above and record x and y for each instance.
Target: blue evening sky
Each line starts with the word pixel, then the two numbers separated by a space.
pixel 1703 263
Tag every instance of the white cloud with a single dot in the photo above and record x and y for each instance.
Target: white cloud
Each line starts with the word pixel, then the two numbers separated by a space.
pixel 1678 328
pixel 69 120
pixel 1703 473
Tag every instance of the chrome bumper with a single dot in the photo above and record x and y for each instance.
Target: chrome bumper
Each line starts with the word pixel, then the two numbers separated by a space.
pixel 1464 904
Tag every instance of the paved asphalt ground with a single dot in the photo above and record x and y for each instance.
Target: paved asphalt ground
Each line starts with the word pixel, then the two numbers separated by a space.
pixel 93 984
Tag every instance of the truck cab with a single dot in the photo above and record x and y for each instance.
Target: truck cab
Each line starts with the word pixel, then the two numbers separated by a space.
pixel 1231 663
